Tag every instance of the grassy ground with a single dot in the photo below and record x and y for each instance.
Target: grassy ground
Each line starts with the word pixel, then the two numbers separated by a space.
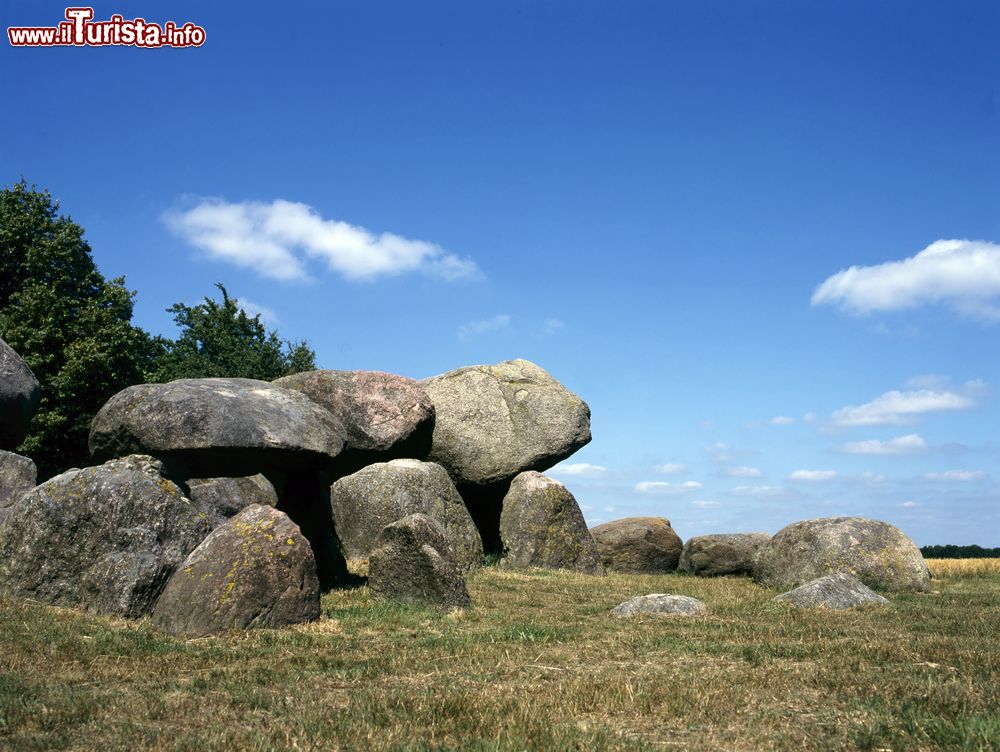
pixel 537 664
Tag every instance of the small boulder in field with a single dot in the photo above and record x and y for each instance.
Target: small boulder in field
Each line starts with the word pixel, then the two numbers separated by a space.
pixel 877 553
pixel 254 571
pixel 721 554
pixel 660 604
pixel 106 538
pixel 541 525
pixel 18 475
pixel 366 501
pixel 834 591
pixel 19 396
pixel 638 544
pixel 413 562
pixel 226 497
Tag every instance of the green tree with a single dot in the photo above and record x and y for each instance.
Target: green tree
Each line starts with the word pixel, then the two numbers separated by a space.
pixel 220 339
pixel 70 325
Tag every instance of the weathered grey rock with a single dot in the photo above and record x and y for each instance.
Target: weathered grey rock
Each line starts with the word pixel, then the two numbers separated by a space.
pixel 19 396
pixel 18 475
pixel 834 591
pixel 638 544
pixel 365 502
pixel 254 571
pixel 877 553
pixel 218 427
pixel 106 538
pixel 412 561
pixel 223 498
pixel 659 604
pixel 721 554
pixel 384 416
pixel 541 525
pixel 494 422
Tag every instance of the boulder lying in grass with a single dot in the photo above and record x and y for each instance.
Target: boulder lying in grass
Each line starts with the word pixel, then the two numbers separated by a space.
pixel 541 525
pixel 660 604
pixel 254 571
pixel 877 553
pixel 834 591
pixel 721 554
pixel 413 562
pixel 18 475
pixel 638 544
pixel 365 502
pixel 106 538
pixel 19 396
pixel 226 497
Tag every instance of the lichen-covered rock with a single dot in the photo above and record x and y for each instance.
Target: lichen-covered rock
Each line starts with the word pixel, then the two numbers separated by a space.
pixel 877 553
pixel 638 544
pixel 106 538
pixel 226 497
pixel 218 427
pixel 384 416
pixel 413 562
pixel 721 554
pixel 834 591
pixel 254 571
pixel 19 396
pixel 365 502
pixel 494 422
pixel 18 475
pixel 660 604
pixel 541 525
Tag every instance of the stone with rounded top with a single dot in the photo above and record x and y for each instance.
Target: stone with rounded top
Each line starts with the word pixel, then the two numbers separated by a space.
pixel 837 591
pixel 721 554
pixel 638 544
pixel 660 604
pixel 19 397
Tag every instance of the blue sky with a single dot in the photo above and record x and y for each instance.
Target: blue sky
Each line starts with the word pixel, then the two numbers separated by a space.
pixel 654 201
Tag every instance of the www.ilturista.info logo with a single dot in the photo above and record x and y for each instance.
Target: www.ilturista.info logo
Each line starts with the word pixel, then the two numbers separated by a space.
pixel 80 30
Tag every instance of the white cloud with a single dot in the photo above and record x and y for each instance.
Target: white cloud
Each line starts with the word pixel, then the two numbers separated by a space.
pixel 662 488
pixel 758 491
pixel 896 408
pixel 743 472
pixel 781 420
pixel 670 468
pixel 267 315
pixel 961 274
pixel 957 475
pixel 809 418
pixel 551 326
pixel 476 328
pixel 909 444
pixel 584 469
pixel 908 504
pixel 277 239
pixel 704 504
pixel 813 476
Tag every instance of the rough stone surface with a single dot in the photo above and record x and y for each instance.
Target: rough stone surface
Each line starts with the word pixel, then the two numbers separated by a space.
pixel 877 553
pixel 413 561
pixel 384 416
pixel 494 422
pixel 365 502
pixel 721 554
pixel 106 538
pixel 834 591
pixel 541 525
pixel 638 544
pixel 218 427
pixel 18 475
pixel 226 497
pixel 659 604
pixel 19 396
pixel 254 571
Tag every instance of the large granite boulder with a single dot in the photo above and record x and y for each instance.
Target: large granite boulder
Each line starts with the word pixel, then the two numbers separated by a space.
pixel 638 544
pixel 218 427
pixel 834 591
pixel 223 498
pixel 19 396
pixel 18 475
pixel 877 553
pixel 254 571
pixel 494 422
pixel 541 525
pixel 365 502
pixel 660 604
pixel 106 538
pixel 721 554
pixel 384 416
pixel 413 562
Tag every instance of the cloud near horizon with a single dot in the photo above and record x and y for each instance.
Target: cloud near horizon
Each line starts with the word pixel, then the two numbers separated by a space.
pixel 662 488
pixel 583 469
pixel 909 444
pixel 472 329
pixel 277 239
pixel 813 476
pixel 896 408
pixel 963 275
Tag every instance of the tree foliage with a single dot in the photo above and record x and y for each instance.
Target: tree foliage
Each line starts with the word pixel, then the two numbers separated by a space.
pixel 951 551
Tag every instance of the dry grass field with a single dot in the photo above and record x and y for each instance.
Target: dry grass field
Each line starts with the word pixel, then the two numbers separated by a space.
pixel 964 567
pixel 537 664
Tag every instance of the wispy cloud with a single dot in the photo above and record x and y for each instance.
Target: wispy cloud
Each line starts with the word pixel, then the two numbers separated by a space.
pixel 908 504
pixel 896 408
pixel 961 274
pixel 962 475
pixel 552 326
pixel 781 420
pixel 267 315
pixel 584 469
pixel 758 491
pixel 662 488
pixel 473 329
pixel 704 504
pixel 670 468
pixel 277 240
pixel 742 471
pixel 813 476
pixel 909 444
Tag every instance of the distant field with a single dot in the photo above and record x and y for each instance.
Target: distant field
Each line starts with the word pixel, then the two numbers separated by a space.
pixel 964 567
pixel 538 664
